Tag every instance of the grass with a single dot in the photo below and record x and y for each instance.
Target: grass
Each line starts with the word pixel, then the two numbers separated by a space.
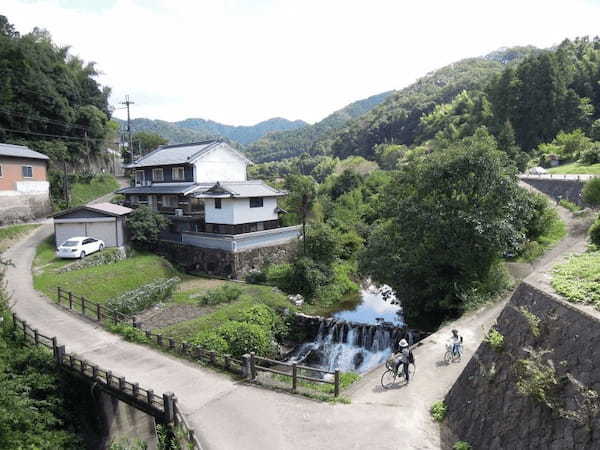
pixel 251 294
pixel 438 411
pixel 578 280
pixel 534 249
pixel 576 168
pixel 573 207
pixel 100 283
pixel 12 232
pixel 82 193
pixel 322 391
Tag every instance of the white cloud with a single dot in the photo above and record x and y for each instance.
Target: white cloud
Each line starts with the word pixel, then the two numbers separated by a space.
pixel 243 61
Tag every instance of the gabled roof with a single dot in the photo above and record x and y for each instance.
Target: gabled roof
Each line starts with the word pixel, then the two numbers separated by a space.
pixel 183 154
pixel 240 189
pixel 108 209
pixel 19 151
pixel 165 188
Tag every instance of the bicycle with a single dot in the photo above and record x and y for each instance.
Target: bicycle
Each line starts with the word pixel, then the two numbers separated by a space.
pixel 391 377
pixel 451 356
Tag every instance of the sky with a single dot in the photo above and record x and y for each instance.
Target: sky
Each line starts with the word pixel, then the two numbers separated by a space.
pixel 243 61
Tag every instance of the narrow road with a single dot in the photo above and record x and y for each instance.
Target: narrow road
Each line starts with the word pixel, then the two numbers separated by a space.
pixel 234 415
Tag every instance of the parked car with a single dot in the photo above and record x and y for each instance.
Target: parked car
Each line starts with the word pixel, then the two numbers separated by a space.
pixel 537 171
pixel 79 247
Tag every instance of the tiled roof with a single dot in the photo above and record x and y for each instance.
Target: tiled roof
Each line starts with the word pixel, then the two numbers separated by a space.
pixel 165 188
pixel 242 189
pixel 180 154
pixel 20 151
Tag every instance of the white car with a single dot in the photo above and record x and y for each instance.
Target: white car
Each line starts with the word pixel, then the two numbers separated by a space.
pixel 79 247
pixel 537 171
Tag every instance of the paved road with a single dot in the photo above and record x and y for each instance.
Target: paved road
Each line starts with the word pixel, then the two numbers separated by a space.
pixel 234 415
pixel 559 176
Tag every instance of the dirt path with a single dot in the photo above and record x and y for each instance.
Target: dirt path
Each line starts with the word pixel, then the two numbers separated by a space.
pixel 233 415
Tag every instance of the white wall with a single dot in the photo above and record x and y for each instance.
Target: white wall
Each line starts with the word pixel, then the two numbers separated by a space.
pixel 241 242
pixel 221 164
pixel 33 187
pixel 237 210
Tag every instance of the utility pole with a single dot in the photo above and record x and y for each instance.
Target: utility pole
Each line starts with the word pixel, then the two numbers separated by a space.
pixel 127 102
pixel 66 183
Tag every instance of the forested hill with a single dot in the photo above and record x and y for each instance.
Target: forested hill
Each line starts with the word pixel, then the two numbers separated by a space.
pixel 190 130
pixel 398 119
pixel 311 138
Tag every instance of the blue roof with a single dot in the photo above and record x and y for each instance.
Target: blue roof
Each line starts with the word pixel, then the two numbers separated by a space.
pixel 19 151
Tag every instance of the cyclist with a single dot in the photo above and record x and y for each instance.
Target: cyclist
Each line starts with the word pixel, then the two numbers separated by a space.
pixel 456 340
pixel 404 357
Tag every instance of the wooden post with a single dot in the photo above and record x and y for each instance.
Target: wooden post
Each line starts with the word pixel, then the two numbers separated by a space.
pixel 58 290
pixel 70 300
pixel 227 361
pixel 83 365
pixel 115 320
pixel 83 305
pixel 108 377
pixel 213 357
pixel 24 329
pixel 159 340
pixel 60 354
pixel 294 377
pixel 253 365
pixel 246 371
pixel 98 312
pixel 94 372
pixel 171 344
pixel 15 321
pixel 121 383
pixel 54 345
pixel 134 323
pixel 149 395
pixel 169 406
pixel 70 360
pixel 136 389
pixel 336 386
pixel 184 348
pixel 148 334
pixel 36 337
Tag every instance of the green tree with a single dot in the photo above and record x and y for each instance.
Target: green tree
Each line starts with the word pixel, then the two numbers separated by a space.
pixel 145 225
pixel 302 195
pixel 448 217
pixel 591 192
pixel 147 141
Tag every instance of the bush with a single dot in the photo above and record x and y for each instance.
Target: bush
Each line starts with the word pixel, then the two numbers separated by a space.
pixel 591 155
pixel 145 225
pixel 262 315
pixel 129 333
pixel 339 286
pixel 212 340
pixel 256 277
pixel 595 233
pixel 461 445
pixel 591 192
pixel 141 298
pixel 495 339
pixel 279 275
pixel 223 294
pixel 107 256
pixel 244 338
pixel 438 411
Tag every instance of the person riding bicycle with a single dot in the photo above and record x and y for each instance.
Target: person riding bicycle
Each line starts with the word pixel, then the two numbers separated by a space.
pixel 405 357
pixel 456 340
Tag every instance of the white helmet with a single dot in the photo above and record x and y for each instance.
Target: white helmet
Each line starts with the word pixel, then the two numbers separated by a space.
pixel 403 343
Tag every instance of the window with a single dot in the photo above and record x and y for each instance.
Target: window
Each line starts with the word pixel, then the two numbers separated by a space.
pixel 169 201
pixel 1 173
pixel 143 199
pixel 139 177
pixel 157 175
pixel 27 171
pixel 256 202
pixel 178 173
pixel 217 203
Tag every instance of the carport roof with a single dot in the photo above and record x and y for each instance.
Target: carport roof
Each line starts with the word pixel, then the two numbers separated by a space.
pixel 108 209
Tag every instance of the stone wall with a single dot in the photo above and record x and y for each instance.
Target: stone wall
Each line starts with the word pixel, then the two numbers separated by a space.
pixel 568 189
pixel 222 263
pixel 485 407
pixel 22 208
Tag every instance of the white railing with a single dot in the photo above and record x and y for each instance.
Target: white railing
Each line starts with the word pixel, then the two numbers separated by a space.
pixel 240 242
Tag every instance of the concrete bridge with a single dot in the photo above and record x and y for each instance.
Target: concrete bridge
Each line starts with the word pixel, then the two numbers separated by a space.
pixel 558 186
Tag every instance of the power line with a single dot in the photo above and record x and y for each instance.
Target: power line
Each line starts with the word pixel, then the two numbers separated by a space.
pixel 52 135
pixel 127 102
pixel 43 119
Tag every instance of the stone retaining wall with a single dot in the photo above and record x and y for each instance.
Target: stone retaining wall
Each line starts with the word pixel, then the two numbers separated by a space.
pixel 567 189
pixel 222 263
pixel 485 407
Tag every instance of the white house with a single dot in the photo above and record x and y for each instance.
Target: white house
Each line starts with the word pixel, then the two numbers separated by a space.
pixel 203 188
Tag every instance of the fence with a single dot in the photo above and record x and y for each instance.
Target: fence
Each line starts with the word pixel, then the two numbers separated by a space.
pixel 162 407
pixel 560 176
pixel 247 366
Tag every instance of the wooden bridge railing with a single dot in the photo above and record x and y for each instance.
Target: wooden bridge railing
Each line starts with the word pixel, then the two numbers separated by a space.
pixel 162 407
pixel 247 366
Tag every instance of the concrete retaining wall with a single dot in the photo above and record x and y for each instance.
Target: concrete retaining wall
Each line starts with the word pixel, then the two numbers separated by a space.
pixel 16 207
pixel 485 407
pixel 568 189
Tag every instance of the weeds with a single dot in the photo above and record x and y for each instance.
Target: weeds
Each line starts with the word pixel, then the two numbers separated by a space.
pixel 438 411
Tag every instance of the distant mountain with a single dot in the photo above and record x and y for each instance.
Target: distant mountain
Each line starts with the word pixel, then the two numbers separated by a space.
pixel 286 144
pixel 190 130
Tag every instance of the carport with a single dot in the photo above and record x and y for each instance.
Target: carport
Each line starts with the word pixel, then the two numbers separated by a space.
pixel 104 221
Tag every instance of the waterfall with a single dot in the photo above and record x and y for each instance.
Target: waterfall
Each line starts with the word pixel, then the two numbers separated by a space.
pixel 348 346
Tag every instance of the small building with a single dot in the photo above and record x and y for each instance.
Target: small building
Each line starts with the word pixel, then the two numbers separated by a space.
pixel 104 221
pixel 24 187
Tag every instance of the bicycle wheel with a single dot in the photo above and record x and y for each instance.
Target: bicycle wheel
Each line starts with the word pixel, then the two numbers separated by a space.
pixel 388 379
pixel 448 357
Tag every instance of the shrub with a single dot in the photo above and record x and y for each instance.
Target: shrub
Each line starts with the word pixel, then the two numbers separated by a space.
pixel 129 333
pixel 532 319
pixel 573 207
pixel 141 298
pixel 262 315
pixel 256 277
pixel 244 338
pixel 495 339
pixel 591 155
pixel 537 379
pixel 145 225
pixel 223 294
pixel 461 445
pixel 107 256
pixel 279 275
pixel 591 192
pixel 212 340
pixel 595 233
pixel 438 411
pixel 322 243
